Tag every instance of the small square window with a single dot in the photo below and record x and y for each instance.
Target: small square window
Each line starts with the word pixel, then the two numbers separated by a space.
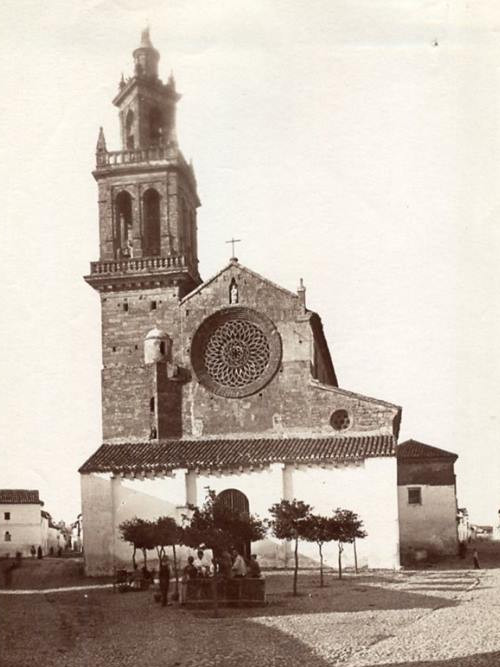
pixel 153 305
pixel 6 516
pixel 415 496
pixel 125 307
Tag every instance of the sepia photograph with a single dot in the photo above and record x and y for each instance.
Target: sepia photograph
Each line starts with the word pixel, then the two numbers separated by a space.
pixel 249 333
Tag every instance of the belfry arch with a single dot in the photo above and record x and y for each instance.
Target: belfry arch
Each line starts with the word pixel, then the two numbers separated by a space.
pixel 123 225
pixel 152 224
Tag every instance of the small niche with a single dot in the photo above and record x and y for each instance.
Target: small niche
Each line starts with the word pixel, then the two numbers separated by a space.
pixel 125 307
pixel 162 347
pixel 114 348
pixel 153 305
pixel 152 404
pixel 233 292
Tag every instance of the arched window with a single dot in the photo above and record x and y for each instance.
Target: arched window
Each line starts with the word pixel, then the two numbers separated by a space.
pixel 123 225
pixel 7 536
pixel 155 126
pixel 151 216
pixel 129 129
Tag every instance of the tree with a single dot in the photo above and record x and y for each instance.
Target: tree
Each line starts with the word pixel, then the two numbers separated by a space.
pixel 288 523
pixel 140 534
pixel 347 526
pixel 319 529
pixel 218 527
pixel 166 533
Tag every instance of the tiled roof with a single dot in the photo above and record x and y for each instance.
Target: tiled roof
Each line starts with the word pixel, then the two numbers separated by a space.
pixel 19 497
pixel 412 449
pixel 171 454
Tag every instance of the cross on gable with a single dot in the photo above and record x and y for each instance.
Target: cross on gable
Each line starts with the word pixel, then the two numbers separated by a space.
pixel 232 242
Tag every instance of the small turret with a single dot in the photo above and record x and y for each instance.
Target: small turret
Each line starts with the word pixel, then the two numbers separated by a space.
pixel 301 293
pixel 157 347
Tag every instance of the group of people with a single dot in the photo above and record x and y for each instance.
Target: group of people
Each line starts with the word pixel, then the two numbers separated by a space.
pixel 228 565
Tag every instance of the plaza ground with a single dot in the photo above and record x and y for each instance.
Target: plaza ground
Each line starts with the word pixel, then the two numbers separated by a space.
pixel 446 616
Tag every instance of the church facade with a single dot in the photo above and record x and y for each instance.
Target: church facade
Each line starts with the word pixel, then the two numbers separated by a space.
pixel 225 384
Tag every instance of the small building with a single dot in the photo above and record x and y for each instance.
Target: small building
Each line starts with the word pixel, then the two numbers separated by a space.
pixel 21 521
pixel 427 501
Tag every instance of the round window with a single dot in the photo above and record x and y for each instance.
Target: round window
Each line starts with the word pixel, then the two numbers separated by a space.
pixel 236 351
pixel 340 420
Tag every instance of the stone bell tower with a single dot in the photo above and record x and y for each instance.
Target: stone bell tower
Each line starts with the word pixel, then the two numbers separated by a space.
pixel 148 256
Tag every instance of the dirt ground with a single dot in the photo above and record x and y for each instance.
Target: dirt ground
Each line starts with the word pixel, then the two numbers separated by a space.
pixel 426 618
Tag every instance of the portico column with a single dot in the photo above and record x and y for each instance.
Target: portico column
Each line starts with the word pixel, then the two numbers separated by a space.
pixel 115 499
pixel 191 490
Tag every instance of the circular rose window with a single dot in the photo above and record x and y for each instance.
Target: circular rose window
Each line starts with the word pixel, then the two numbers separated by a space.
pixel 340 420
pixel 236 351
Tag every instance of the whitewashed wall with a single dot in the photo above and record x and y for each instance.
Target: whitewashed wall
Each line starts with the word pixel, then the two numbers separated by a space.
pixel 369 489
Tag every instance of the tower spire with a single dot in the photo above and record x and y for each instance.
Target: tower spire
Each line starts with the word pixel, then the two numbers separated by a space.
pixel 146 57
pixel 101 142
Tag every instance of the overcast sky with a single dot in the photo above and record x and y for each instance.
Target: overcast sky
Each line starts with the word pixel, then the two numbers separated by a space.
pixel 353 143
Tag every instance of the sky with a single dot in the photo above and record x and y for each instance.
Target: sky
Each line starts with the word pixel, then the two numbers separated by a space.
pixel 351 143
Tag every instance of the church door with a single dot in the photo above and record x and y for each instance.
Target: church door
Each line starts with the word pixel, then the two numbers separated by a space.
pixel 238 502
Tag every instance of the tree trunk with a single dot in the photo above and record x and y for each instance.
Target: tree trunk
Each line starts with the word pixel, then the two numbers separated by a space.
pixel 296 570
pixel 133 558
pixel 176 573
pixel 214 589
pixel 355 556
pixel 320 564
pixel 145 556
pixel 340 561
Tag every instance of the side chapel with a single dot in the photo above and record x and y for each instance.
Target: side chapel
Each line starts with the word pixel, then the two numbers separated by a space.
pixel 225 384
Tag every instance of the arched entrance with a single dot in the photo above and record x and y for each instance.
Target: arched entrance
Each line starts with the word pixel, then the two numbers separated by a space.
pixel 237 502
pixel 152 233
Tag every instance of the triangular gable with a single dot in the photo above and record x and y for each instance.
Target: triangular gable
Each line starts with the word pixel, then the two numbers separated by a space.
pixel 240 267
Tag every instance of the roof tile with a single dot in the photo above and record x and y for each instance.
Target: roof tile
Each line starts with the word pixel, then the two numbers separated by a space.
pixel 220 453
pixel 19 497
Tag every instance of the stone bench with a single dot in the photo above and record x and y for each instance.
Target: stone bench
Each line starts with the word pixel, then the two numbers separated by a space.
pixel 234 592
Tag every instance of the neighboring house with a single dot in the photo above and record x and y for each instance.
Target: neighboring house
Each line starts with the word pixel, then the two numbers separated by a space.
pixel 427 501
pixel 21 522
pixel 463 526
pixel 77 534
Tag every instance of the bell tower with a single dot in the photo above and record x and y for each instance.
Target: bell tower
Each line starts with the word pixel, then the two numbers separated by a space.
pixel 148 255
pixel 147 190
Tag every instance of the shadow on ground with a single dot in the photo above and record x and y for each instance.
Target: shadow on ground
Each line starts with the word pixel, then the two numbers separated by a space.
pixel 475 660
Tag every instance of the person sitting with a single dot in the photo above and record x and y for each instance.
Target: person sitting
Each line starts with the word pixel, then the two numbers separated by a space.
pixel 225 564
pixel 254 567
pixel 201 565
pixel 239 568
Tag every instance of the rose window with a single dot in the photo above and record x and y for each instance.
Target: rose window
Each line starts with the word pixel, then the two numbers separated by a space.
pixel 236 352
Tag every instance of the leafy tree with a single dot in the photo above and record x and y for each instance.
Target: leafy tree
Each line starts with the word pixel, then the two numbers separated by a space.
pixel 166 533
pixel 319 529
pixel 347 526
pixel 288 523
pixel 140 534
pixel 218 528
